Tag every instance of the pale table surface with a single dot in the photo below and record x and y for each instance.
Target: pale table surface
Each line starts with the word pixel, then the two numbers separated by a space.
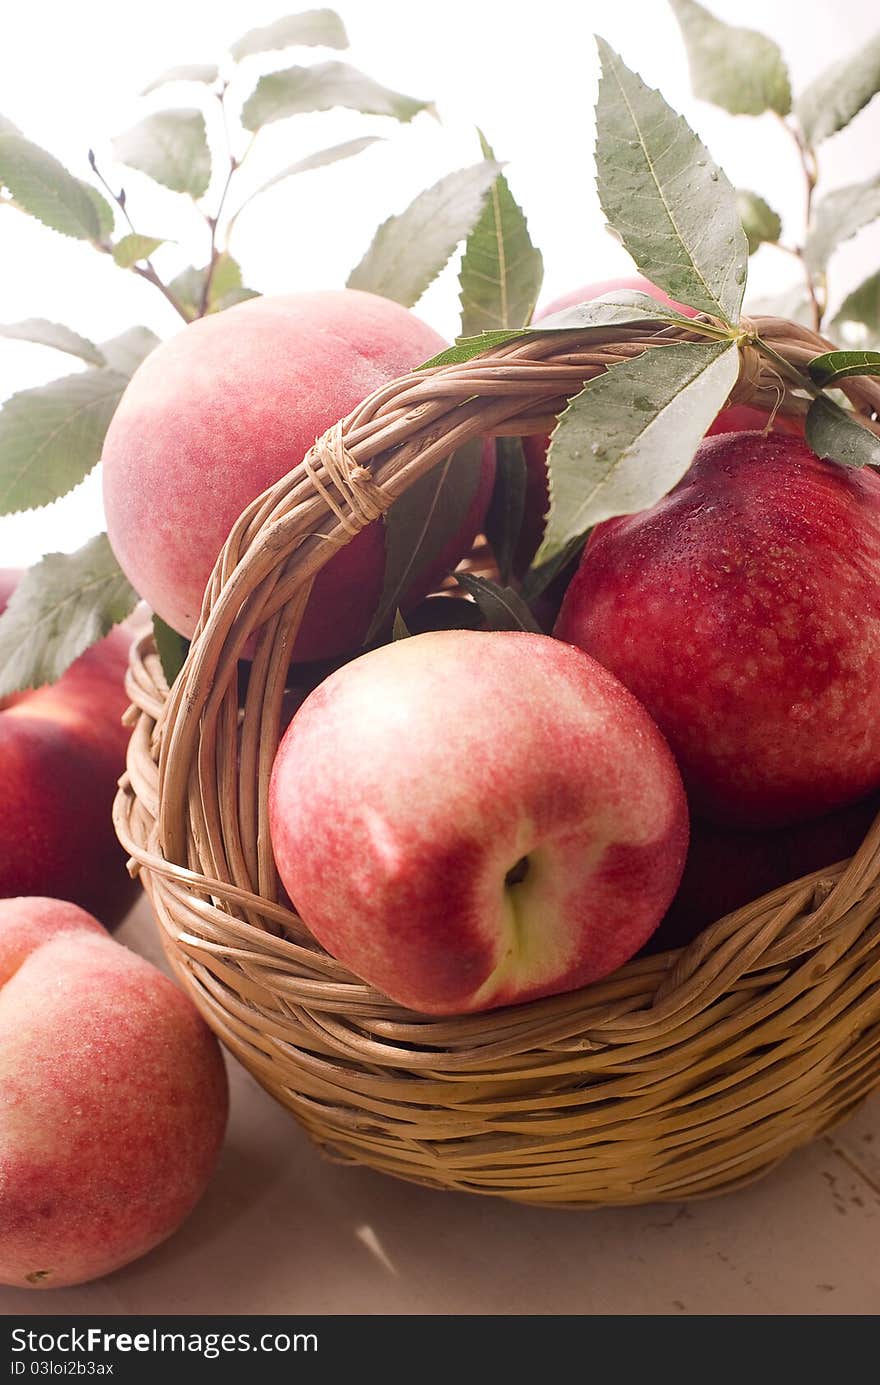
pixel 281 1230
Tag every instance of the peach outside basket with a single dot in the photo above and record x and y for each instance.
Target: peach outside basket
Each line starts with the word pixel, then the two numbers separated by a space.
pixel 683 1074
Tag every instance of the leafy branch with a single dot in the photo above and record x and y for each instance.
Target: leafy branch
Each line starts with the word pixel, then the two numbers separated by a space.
pixel 745 73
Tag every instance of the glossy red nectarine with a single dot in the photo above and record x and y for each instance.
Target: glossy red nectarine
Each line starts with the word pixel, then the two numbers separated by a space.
pixel 744 611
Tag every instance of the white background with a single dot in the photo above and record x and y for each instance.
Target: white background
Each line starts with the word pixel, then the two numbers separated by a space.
pixel 526 74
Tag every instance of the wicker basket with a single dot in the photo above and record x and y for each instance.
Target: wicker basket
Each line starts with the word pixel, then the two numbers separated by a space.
pixel 681 1075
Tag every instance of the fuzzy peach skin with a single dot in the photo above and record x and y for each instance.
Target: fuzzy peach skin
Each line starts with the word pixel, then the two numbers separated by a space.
pixel 113 1094
pixel 401 836
pixel 226 408
pixel 62 750
pixel 743 610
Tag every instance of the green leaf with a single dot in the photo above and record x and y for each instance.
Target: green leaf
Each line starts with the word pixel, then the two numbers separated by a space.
pixel 617 308
pixel 225 291
pixel 838 94
pixel 857 320
pixel 204 73
pixel 61 606
pixel 51 437
pixel 672 208
pixel 55 334
pixel 759 221
pixel 840 365
pixel 132 248
pixel 501 607
pixel 834 434
pixel 311 29
pixel 322 87
pixel 171 147
pixel 43 187
pixel 399 630
pixel 501 271
pixel 409 251
pixel 738 69
pixel 838 217
pixel 125 352
pixel 630 435
pixel 506 508
pixel 538 579
pixel 421 523
pixel 466 348
pixel 103 211
pixel 317 160
pixel 171 648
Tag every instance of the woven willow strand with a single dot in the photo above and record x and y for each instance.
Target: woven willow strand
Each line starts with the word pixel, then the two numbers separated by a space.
pixel 681 1075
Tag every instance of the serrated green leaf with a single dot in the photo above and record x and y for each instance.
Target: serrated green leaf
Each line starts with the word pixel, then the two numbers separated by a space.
pixel 421 523
pixel 171 147
pixel 466 348
pixel 322 87
pixel 60 607
pixel 501 607
pixel 838 217
pixel 311 29
pixel 671 206
pixel 615 309
pixel 51 437
pixel 630 435
pixel 738 69
pixel 320 159
pixel 832 366
pixel 409 251
pixel 834 434
pixel 43 187
pixel 837 95
pixel 501 271
pixel 506 508
pixel 203 73
pixel 103 211
pixel 132 248
pixel 225 291
pixel 399 630
pixel 125 352
pixel 857 320
pixel 171 648
pixel 56 335
pixel 759 221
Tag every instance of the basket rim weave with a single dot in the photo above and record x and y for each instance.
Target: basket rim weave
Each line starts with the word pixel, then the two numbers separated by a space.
pixel 782 996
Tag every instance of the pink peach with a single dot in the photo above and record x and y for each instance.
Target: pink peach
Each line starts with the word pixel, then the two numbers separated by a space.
pixel 113 1094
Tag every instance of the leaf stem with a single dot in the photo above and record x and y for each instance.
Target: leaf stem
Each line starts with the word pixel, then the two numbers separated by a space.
pixel 809 166
pixel 147 269
pixel 213 221
pixel 785 367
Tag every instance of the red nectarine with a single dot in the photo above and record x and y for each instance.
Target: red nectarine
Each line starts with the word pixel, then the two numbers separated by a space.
pixel 743 610
pixel 62 750
pixel 524 842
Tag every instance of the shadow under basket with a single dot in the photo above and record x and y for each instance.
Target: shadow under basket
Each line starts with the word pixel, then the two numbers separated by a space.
pixel 683 1074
